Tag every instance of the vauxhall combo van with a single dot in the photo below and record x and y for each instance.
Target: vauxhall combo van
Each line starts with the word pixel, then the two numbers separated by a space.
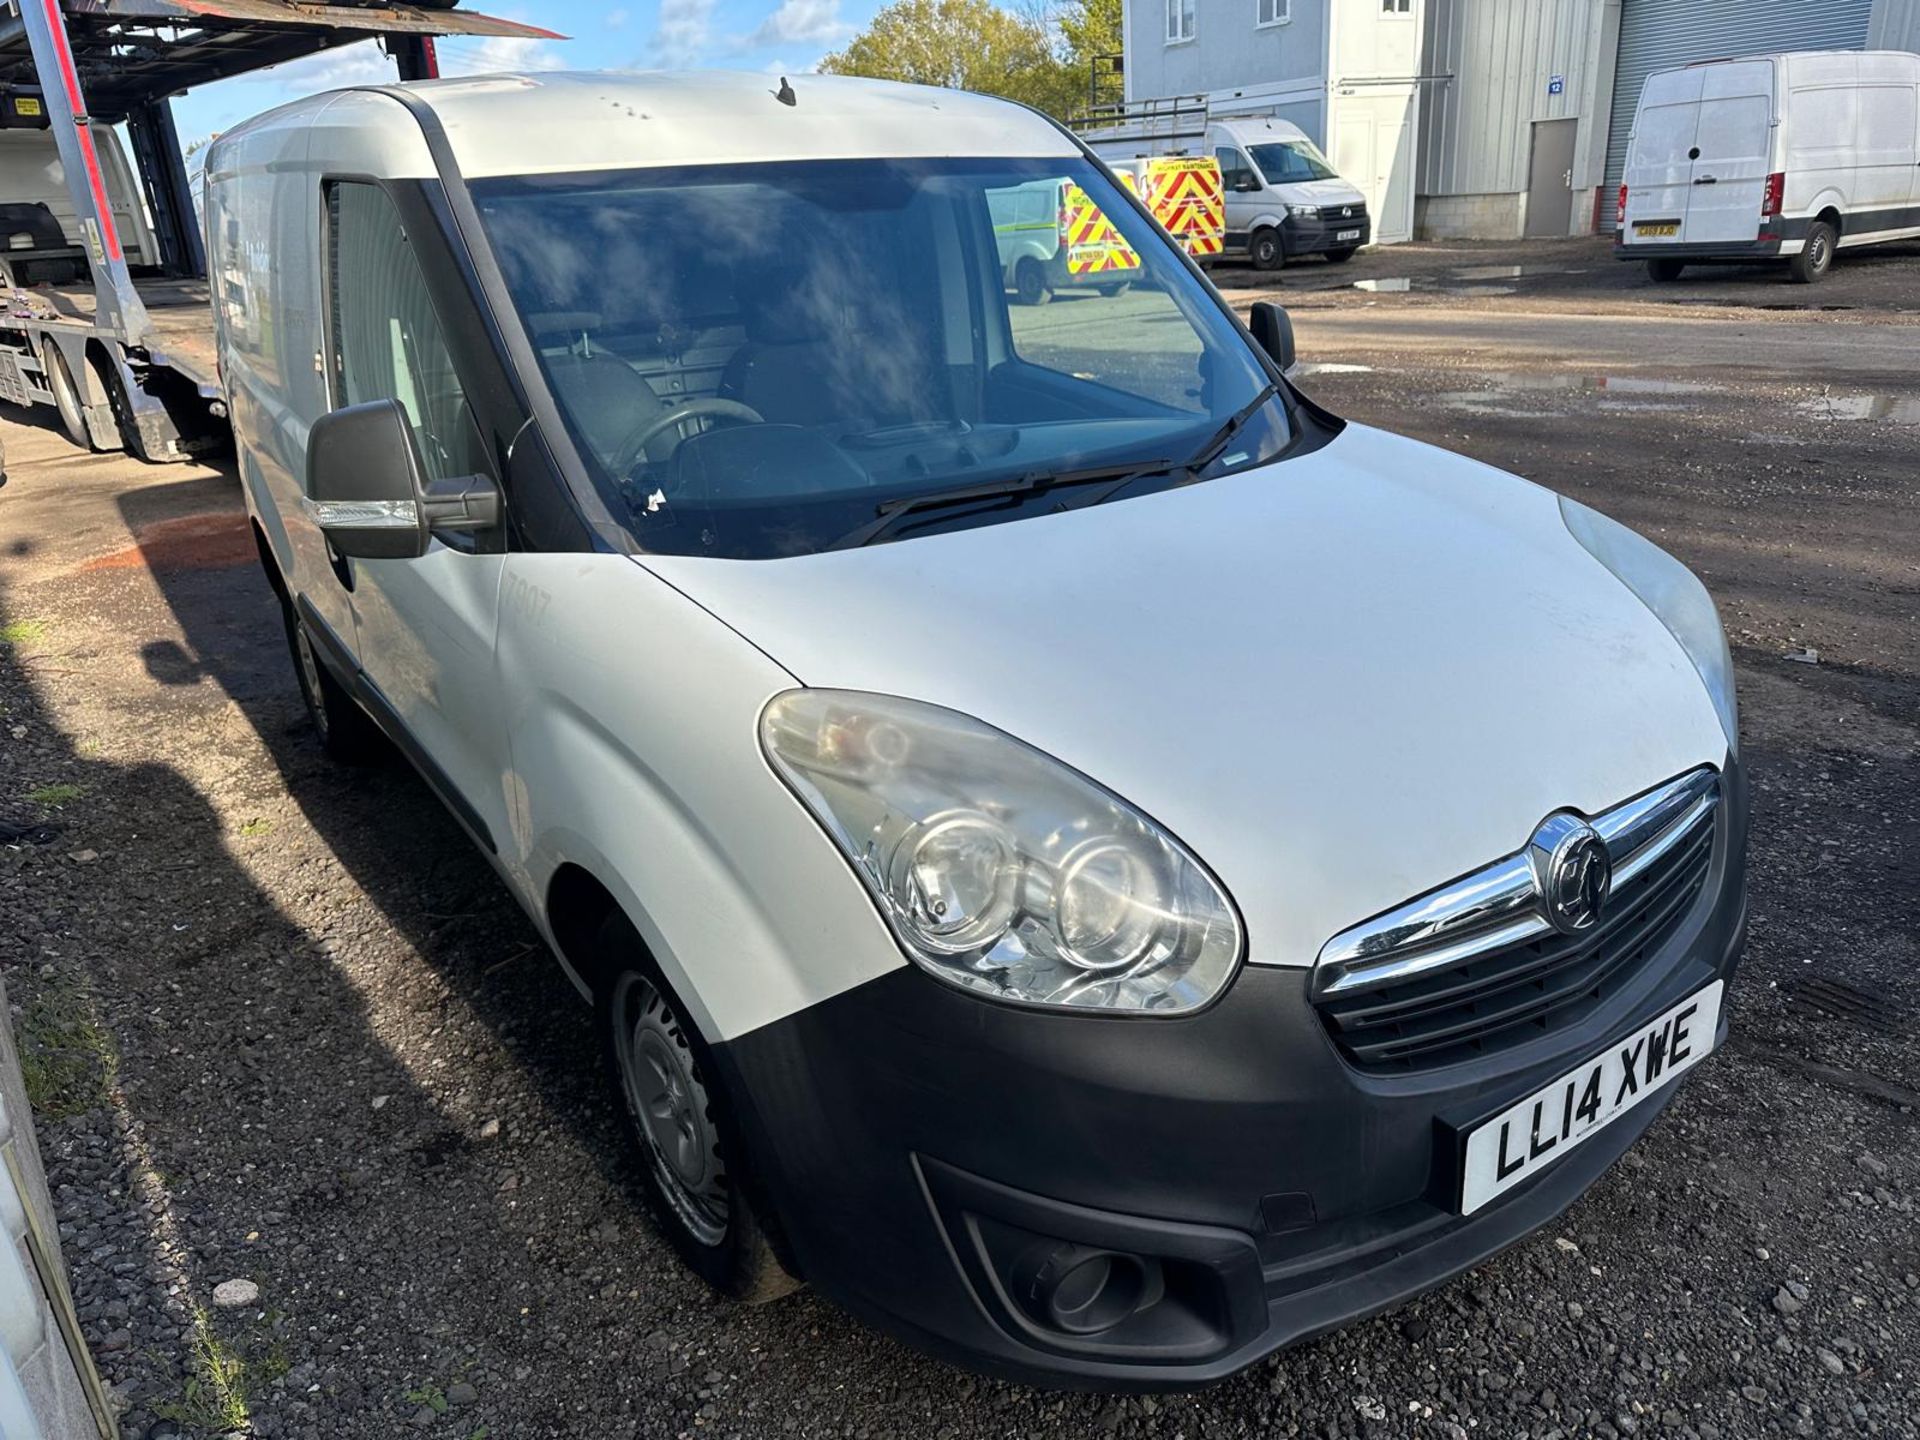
pixel 1094 862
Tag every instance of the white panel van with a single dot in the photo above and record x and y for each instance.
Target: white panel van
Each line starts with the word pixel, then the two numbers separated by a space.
pixel 1284 198
pixel 1022 891
pixel 33 194
pixel 1788 157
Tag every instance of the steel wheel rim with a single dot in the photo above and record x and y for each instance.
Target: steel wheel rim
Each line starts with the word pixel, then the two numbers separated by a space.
pixel 310 679
pixel 669 1105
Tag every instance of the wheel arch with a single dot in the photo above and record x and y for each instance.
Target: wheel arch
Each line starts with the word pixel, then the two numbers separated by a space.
pixel 576 904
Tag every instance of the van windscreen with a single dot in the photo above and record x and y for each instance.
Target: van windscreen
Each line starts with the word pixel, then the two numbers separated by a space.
pixel 757 360
pixel 1291 161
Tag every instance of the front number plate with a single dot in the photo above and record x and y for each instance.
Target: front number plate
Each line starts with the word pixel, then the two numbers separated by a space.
pixel 1522 1141
pixel 1348 235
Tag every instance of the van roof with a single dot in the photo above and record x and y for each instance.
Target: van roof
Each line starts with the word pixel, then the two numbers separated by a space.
pixel 1903 55
pixel 549 122
pixel 1254 129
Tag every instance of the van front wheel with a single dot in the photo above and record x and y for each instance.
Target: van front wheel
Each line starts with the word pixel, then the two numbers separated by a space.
pixel 1665 272
pixel 693 1164
pixel 346 733
pixel 1816 256
pixel 1267 250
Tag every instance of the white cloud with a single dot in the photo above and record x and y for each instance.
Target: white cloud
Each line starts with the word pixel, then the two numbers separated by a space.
pixel 362 63
pixel 498 53
pixel 800 22
pixel 615 19
pixel 683 33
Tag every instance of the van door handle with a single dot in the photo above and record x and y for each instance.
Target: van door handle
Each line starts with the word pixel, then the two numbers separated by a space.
pixel 1706 180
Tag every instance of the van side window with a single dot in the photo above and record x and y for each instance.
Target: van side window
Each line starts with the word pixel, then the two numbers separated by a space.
pixel 387 342
pixel 1235 172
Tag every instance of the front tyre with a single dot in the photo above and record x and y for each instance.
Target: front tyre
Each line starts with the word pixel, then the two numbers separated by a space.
pixel 1816 257
pixel 346 732
pixel 1267 250
pixel 693 1165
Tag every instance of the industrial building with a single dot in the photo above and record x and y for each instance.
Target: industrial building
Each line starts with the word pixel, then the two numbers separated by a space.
pixel 1471 118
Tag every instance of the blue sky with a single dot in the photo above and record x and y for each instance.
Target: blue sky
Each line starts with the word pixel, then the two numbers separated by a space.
pixel 775 36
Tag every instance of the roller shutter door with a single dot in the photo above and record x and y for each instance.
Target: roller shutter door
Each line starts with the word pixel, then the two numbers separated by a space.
pixel 1660 34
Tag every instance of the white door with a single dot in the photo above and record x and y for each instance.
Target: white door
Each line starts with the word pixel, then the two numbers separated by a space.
pixel 1733 153
pixel 1373 148
pixel 1659 174
pixel 424 627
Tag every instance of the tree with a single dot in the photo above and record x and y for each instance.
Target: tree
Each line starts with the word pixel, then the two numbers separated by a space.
pixel 975 45
pixel 1090 28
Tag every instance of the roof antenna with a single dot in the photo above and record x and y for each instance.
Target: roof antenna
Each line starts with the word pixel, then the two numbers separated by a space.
pixel 785 93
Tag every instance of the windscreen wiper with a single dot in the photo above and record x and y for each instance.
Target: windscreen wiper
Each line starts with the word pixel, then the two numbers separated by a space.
pixel 890 513
pixel 1217 442
pixel 1203 457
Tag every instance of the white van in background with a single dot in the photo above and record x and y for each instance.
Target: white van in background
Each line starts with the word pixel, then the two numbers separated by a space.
pixel 34 199
pixel 1283 197
pixel 1788 157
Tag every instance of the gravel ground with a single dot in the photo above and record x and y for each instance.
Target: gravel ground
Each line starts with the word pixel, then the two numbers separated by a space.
pixel 331 1151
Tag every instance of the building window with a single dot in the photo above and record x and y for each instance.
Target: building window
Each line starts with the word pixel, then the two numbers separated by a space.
pixel 1272 12
pixel 1396 7
pixel 1180 20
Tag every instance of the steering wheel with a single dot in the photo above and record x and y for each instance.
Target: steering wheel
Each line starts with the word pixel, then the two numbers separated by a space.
pixel 628 453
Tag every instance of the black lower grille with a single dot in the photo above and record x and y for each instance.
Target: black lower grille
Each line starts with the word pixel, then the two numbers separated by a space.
pixel 1494 1001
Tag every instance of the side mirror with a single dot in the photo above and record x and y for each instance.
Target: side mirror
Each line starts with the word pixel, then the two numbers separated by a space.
pixel 368 492
pixel 1245 184
pixel 1272 331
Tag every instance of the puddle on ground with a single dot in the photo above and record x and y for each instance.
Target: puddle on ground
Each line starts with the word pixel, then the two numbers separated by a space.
pixel 1332 367
pixel 1890 409
pixel 1513 272
pixel 1465 281
pixel 1638 393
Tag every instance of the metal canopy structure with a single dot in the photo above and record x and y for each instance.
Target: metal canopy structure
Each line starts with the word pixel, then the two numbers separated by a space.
pixel 127 53
pixel 74 65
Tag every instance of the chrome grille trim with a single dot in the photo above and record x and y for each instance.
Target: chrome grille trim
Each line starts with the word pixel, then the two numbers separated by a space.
pixel 1499 906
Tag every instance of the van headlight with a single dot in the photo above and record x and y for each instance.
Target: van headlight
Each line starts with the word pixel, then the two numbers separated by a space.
pixel 998 868
pixel 1673 593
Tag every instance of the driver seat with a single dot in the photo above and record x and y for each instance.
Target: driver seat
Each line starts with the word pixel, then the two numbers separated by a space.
pixel 607 400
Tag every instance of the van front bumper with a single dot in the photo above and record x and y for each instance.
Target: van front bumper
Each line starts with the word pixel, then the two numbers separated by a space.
pixel 936 1160
pixel 1304 236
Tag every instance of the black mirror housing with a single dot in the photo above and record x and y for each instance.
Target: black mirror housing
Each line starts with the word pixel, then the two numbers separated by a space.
pixel 1272 331
pixel 368 492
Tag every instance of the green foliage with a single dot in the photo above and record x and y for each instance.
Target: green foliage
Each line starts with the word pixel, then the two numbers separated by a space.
pixel 67 1059
pixel 1090 28
pixel 55 794
pixel 1037 57
pixel 214 1399
pixel 22 632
